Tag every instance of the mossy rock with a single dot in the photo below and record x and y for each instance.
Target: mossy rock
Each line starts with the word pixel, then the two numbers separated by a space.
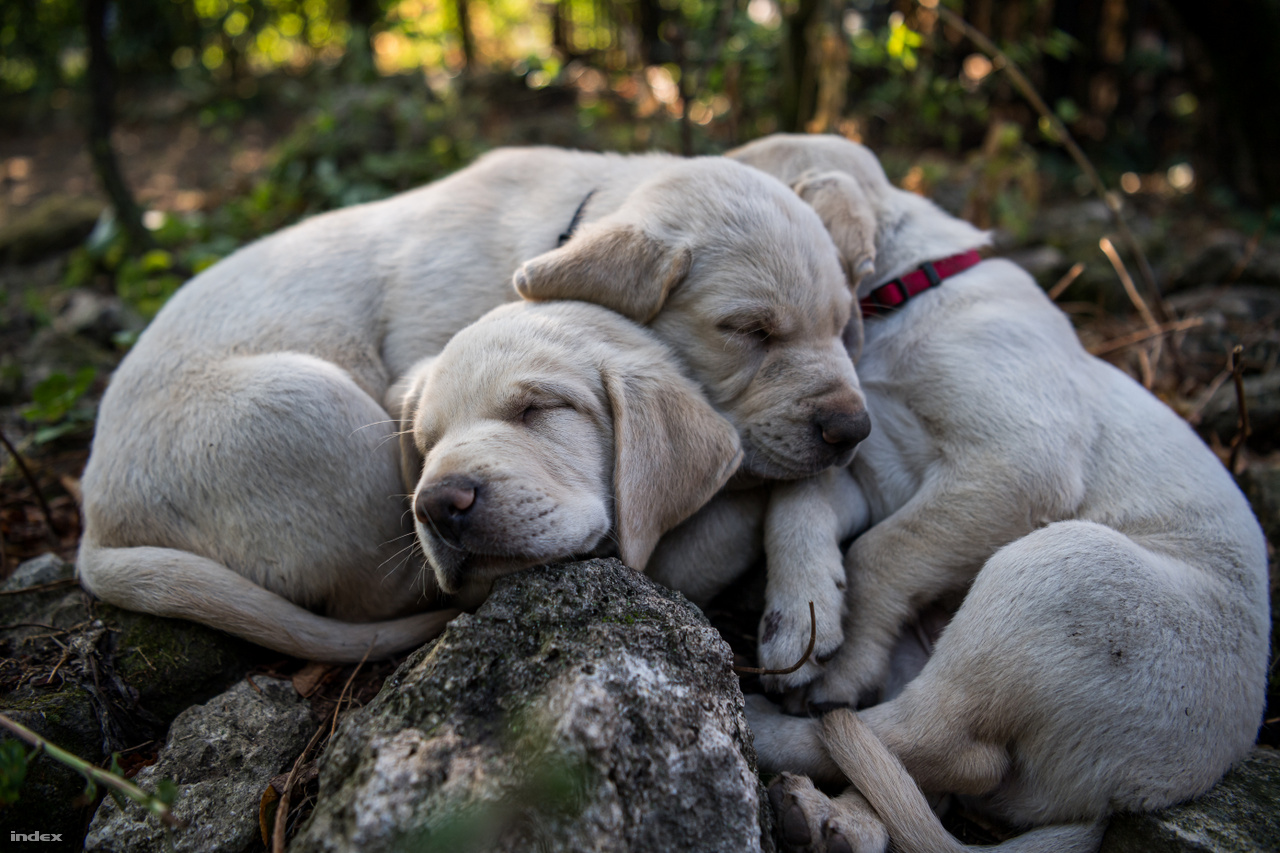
pixel 1238 815
pixel 1261 482
pixel 175 664
pixel 97 680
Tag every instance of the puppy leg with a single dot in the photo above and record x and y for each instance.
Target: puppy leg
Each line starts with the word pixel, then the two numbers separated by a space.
pixel 711 548
pixel 811 821
pixel 910 558
pixel 784 742
pixel 805 522
pixel 278 467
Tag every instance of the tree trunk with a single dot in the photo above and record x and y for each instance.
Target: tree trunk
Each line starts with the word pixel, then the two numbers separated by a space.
pixel 464 33
pixel 796 101
pixel 362 15
pixel 101 118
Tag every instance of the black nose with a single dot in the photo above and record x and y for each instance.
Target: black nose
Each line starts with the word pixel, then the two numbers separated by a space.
pixel 446 505
pixel 842 430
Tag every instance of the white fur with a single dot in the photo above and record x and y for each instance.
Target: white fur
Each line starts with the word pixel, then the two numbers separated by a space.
pixel 1110 653
pixel 245 439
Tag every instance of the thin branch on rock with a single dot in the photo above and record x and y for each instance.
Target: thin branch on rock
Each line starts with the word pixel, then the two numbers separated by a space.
pixel 282 811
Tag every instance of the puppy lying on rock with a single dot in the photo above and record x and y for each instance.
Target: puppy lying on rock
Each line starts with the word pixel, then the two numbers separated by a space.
pixel 1110 652
pixel 245 472
pixel 550 430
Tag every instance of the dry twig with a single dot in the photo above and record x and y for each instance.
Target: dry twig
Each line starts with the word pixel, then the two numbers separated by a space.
pixel 1236 365
pixel 31 481
pixel 813 640
pixel 1145 334
pixel 1066 281
pixel 40 587
pixel 282 810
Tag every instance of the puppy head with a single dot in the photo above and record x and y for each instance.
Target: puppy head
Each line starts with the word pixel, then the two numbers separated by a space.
pixel 547 431
pixel 739 276
pixel 880 231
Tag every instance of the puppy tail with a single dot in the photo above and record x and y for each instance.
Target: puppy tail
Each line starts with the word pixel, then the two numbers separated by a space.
pixel 168 582
pixel 913 827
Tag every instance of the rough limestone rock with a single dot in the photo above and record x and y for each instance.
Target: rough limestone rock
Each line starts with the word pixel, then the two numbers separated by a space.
pixel 1239 815
pixel 582 708
pixel 221 755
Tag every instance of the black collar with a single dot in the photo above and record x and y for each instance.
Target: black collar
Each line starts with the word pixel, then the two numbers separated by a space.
pixel 573 223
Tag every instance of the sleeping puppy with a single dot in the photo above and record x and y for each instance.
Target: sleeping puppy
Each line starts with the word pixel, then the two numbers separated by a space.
pixel 550 430
pixel 1110 653
pixel 245 472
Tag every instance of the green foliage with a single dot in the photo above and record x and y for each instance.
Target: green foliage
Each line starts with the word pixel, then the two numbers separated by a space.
pixel 13 771
pixel 55 405
pixel 147 282
pixel 362 144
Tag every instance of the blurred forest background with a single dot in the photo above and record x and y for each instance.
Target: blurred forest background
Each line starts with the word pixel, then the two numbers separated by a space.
pixel 142 141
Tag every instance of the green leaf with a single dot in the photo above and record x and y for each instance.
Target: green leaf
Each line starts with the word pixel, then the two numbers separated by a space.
pixel 166 791
pixel 13 770
pixel 53 399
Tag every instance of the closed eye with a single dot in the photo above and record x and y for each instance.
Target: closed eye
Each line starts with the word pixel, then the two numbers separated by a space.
pixel 754 330
pixel 535 410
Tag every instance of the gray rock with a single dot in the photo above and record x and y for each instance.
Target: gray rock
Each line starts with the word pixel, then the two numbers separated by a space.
pixel 95 316
pixel 1238 816
pixel 103 680
pixel 221 755
pixel 581 708
pixel 47 568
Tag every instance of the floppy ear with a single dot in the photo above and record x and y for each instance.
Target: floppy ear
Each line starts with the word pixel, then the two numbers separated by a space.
pixel 401 402
pixel 672 452
pixel 616 266
pixel 849 216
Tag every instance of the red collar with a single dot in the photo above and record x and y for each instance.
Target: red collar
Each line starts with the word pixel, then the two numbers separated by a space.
pixel 895 293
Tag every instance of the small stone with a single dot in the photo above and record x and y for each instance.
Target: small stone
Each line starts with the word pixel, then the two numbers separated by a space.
pixel 47 568
pixel 221 755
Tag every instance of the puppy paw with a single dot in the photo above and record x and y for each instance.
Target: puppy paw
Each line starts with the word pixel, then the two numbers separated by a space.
pixel 784 637
pixel 811 822
pixel 855 677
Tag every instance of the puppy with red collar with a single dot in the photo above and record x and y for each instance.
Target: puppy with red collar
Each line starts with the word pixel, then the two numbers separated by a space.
pixel 1110 652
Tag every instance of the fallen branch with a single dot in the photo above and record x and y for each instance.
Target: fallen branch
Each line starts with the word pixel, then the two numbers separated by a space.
pixel 119 784
pixel 813 640
pixel 40 587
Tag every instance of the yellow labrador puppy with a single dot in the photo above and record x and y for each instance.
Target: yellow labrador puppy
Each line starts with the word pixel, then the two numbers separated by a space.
pixel 245 472
pixel 1110 653
pixel 550 430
